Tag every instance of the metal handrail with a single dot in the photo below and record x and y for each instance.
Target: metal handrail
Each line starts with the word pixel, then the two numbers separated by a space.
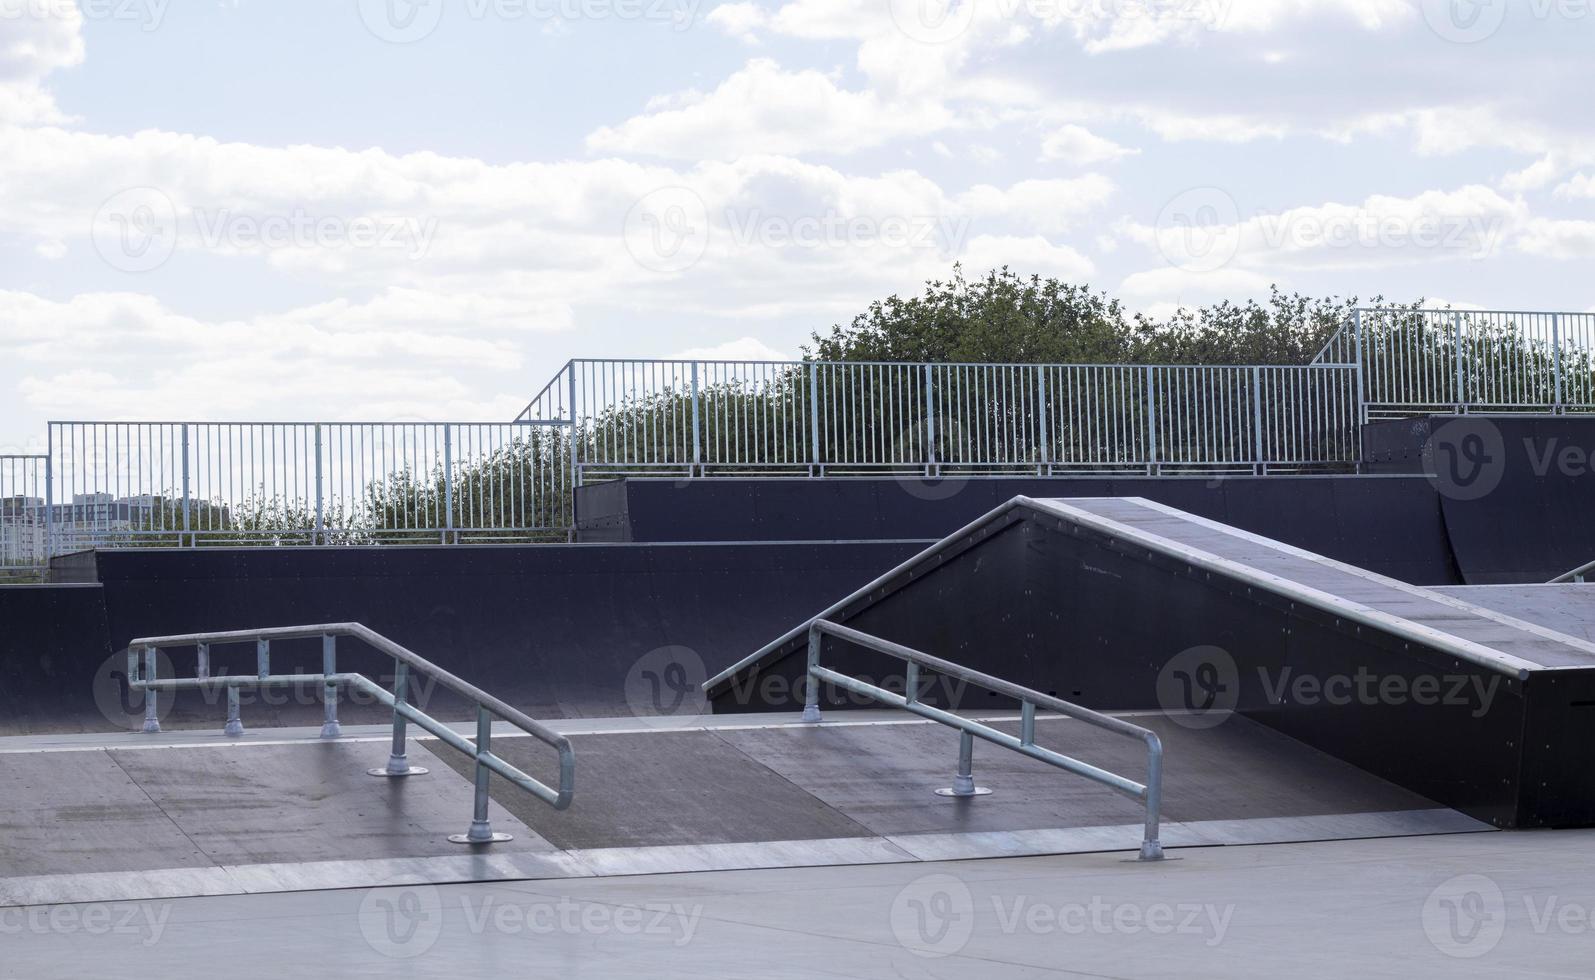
pixel 1150 793
pixel 487 706
pixel 1579 574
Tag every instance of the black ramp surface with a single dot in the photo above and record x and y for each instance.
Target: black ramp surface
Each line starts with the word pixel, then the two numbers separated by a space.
pixel 269 804
pixel 553 629
pixel 1389 524
pixel 810 783
pixel 660 788
pixel 1565 608
pixel 80 812
pixel 1517 495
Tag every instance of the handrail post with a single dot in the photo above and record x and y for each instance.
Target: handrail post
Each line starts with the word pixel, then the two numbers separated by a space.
pixel 152 721
pixel 398 762
pixel 811 684
pixel 187 520
pixel 930 422
pixel 1151 847
pixel 320 537
pixel 964 781
pixel 696 465
pixel 1456 346
pixel 448 484
pixel 1151 421
pixel 481 831
pixel 815 467
pixel 329 695
pixel 235 721
pixel 1044 466
pixel 1556 358
pixel 1257 421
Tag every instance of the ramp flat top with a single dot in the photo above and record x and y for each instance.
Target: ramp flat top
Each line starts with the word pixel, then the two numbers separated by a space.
pixel 1567 608
pixel 1510 643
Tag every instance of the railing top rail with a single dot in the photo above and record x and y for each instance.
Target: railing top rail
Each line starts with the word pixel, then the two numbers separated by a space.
pixel 986 681
pixel 282 422
pixel 1572 573
pixel 1465 312
pixel 545 389
pixel 34 456
pixel 1131 365
pixel 380 643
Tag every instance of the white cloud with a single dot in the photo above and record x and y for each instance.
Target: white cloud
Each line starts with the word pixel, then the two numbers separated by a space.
pixel 37 37
pixel 1081 147
pixel 1048 206
pixel 742 21
pixel 764 109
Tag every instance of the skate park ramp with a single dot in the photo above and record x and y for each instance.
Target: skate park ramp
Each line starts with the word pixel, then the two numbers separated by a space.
pixel 1127 604
pixel 89 817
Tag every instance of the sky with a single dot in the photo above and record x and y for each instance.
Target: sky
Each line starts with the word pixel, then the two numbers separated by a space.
pixel 419 209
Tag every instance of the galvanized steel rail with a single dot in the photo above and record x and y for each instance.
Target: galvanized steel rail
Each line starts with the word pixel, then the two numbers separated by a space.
pixel 1149 793
pixel 143 678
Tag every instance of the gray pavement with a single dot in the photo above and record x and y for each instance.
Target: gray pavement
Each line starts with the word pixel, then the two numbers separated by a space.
pixel 1483 905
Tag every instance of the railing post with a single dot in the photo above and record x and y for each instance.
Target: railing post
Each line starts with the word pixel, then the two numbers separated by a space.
pixel 235 721
pixel 1556 358
pixel 398 761
pixel 1257 421
pixel 1045 465
pixel 964 780
pixel 811 684
pixel 329 694
pixel 321 520
pixel 152 721
pixel 1151 846
pixel 815 467
pixel 481 831
pixel 1456 345
pixel 262 658
pixel 448 483
pixel 1151 421
pixel 187 495
pixel 575 436
pixel 49 494
pixel 697 422
pixel 930 422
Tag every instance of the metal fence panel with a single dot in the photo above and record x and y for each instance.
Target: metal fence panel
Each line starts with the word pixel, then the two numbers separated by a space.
pixel 129 484
pixel 24 542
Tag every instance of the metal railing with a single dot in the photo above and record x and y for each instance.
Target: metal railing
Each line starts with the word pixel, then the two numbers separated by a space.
pixel 190 483
pixel 1149 793
pixel 1582 573
pixel 488 707
pixel 1417 361
pixel 24 534
pixel 823 418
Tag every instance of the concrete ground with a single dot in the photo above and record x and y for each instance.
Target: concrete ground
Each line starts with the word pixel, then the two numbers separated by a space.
pixel 1475 905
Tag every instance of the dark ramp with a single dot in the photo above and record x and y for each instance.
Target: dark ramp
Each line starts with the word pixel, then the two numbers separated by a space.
pixel 796 783
pixel 270 804
pixel 1391 524
pixel 1515 491
pixel 553 629
pixel 1568 608
pixel 1124 604
pixel 666 788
